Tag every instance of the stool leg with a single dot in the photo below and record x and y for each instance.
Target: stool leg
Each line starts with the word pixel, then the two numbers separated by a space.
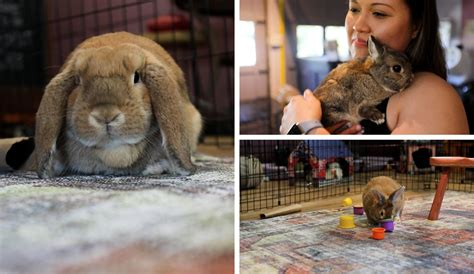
pixel 438 198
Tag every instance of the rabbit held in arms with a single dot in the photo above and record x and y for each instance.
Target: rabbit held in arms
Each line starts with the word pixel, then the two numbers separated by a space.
pixel 118 106
pixel 353 89
pixel 383 198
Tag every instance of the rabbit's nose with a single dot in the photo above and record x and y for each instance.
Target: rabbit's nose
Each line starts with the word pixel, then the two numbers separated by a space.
pixel 108 116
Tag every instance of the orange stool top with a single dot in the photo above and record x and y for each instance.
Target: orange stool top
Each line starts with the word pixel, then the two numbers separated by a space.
pixel 452 161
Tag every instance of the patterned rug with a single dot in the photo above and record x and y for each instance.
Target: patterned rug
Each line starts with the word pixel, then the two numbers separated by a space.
pixel 312 243
pixel 106 224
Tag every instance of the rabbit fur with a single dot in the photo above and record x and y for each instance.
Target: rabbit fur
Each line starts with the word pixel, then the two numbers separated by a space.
pixel 383 198
pixel 353 89
pixel 119 105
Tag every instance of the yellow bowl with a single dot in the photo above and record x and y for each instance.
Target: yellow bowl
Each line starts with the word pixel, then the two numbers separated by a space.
pixel 346 221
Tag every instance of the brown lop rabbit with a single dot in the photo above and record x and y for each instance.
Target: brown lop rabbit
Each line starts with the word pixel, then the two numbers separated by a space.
pixel 118 106
pixel 383 198
pixel 353 89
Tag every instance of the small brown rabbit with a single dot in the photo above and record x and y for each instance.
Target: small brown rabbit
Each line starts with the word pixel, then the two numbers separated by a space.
pixel 383 198
pixel 118 106
pixel 353 89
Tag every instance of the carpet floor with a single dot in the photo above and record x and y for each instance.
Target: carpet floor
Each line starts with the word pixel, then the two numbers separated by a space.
pixel 311 242
pixel 107 224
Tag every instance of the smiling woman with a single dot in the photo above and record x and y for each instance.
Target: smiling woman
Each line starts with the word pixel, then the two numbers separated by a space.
pixel 429 105
pixel 396 31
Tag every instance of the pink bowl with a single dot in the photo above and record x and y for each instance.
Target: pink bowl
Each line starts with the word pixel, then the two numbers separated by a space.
pixel 358 210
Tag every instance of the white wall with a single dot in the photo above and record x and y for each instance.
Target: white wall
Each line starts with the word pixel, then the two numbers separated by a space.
pixel 254 80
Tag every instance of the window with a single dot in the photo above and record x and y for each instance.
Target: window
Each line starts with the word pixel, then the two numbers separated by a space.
pixel 445 33
pixel 246 44
pixel 339 35
pixel 309 41
pixel 312 40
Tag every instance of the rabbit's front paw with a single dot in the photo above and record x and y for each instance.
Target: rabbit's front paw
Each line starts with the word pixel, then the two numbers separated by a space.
pixel 372 114
pixel 156 168
pixel 45 170
pixel 46 162
pixel 372 223
pixel 380 121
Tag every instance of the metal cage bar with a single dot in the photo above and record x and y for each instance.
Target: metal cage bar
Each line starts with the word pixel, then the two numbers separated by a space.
pixel 202 50
pixel 284 172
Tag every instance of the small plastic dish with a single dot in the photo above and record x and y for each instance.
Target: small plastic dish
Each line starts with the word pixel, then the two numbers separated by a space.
pixel 358 210
pixel 378 233
pixel 346 221
pixel 388 224
pixel 347 201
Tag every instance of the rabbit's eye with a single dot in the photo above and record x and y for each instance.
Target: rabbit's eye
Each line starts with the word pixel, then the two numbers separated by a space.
pixel 136 78
pixel 397 68
pixel 381 213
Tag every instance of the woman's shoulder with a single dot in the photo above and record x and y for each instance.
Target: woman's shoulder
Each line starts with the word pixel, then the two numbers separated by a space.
pixel 427 82
pixel 430 105
pixel 426 88
pixel 427 75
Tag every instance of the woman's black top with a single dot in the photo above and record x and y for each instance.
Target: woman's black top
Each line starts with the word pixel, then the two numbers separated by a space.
pixel 371 128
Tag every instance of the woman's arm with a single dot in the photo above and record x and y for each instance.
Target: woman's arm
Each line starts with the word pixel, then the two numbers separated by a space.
pixel 306 108
pixel 429 106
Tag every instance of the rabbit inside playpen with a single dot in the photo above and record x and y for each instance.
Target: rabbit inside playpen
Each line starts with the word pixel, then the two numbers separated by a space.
pixel 383 198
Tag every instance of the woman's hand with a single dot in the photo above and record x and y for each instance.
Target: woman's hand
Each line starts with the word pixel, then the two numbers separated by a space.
pixel 308 107
pixel 345 127
pixel 300 108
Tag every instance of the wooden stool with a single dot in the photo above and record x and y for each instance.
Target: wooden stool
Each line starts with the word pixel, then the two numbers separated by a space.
pixel 446 163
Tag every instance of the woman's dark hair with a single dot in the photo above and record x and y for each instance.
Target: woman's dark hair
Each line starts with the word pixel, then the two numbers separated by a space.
pixel 425 50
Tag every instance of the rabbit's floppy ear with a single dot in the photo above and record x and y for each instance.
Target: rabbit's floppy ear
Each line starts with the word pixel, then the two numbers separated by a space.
pixel 396 194
pixel 50 118
pixel 169 102
pixel 376 49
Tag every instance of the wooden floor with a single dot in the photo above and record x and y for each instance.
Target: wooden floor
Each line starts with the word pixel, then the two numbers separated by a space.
pixel 218 146
pixel 329 203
